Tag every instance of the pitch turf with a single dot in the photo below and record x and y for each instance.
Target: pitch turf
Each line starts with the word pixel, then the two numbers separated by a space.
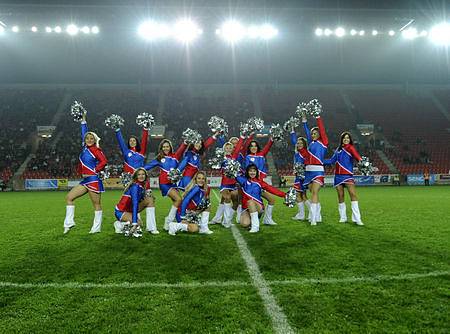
pixel 392 275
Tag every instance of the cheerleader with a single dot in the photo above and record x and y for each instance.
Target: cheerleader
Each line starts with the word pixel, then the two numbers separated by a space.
pixel 93 161
pixel 257 156
pixel 196 191
pixel 134 157
pixel 191 162
pixel 252 187
pixel 221 208
pixel 299 157
pixel 167 160
pixel 133 201
pixel 343 159
pixel 314 170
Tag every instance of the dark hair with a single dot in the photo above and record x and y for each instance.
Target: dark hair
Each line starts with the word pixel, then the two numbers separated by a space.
pixel 200 151
pixel 160 152
pixel 305 143
pixel 257 146
pixel 342 138
pixel 250 167
pixel 138 145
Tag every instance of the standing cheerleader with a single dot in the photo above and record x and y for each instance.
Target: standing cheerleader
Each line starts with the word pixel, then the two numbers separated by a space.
pixel 252 187
pixel 92 162
pixel 196 191
pixel 343 177
pixel 133 201
pixel 167 160
pixel 257 156
pixel 314 170
pixel 134 157
pixel 190 164
pixel 299 158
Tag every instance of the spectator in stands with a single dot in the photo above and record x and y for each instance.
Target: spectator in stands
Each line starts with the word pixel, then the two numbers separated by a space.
pixel 93 161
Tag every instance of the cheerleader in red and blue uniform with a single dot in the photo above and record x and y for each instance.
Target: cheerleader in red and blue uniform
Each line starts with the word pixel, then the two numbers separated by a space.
pixel 167 160
pixel 257 156
pixel 314 170
pixel 92 161
pixel 196 191
pixel 343 159
pixel 253 187
pixel 299 157
pixel 190 164
pixel 133 201
pixel 133 155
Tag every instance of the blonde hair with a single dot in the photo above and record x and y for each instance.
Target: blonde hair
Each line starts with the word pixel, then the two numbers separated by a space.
pixel 194 182
pixel 96 138
pixel 134 177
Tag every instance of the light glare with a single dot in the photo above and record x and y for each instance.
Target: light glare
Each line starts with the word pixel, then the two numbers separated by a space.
pixel 72 29
pixel 186 30
pixel 95 30
pixel 391 32
pixel 319 32
pixel 34 29
pixel 48 29
pixel 440 34
pixel 340 32
pixel 232 31
pixel 58 29
pixel 353 32
pixel 410 33
pixel 86 30
pixel 268 31
pixel 152 30
pixel 15 29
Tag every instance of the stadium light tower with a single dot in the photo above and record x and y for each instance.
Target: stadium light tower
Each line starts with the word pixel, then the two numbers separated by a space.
pixel 231 31
pixel 151 30
pixel 186 31
pixel 440 34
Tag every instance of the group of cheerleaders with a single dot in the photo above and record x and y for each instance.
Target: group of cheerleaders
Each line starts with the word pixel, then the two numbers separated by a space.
pixel 242 195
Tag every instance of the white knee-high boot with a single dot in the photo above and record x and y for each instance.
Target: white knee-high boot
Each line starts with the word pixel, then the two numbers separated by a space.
pixel 314 210
pixel 238 214
pixel 97 224
pixel 170 217
pixel 69 221
pixel 204 224
pixel 319 213
pixel 219 214
pixel 268 216
pixel 308 205
pixel 150 220
pixel 227 215
pixel 255 222
pixel 175 227
pixel 356 215
pixel 342 212
pixel 301 211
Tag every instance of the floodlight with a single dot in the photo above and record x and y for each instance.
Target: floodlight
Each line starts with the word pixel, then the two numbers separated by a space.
pixel 232 31
pixel 34 29
pixel 186 30
pixel 268 31
pixel 48 29
pixel 353 32
pixel 15 29
pixel 410 33
pixel 86 30
pixel 339 32
pixel 72 29
pixel 374 32
pixel 2 29
pixel 440 34
pixel 151 30
pixel 391 32
pixel 319 32
pixel 95 30
pixel 58 29
pixel 362 33
pixel 328 32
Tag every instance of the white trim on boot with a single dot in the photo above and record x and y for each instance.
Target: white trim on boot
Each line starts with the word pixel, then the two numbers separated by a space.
pixel 342 208
pixel 255 222
pixel 150 220
pixel 97 224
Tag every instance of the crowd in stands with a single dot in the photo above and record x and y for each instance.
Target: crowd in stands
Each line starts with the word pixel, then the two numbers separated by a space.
pixel 408 128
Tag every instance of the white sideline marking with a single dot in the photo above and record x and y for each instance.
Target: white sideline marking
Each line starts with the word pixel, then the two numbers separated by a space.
pixel 279 320
pixel 367 279
pixel 306 281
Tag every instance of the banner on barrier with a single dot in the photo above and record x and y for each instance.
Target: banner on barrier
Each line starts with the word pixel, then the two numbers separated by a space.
pixel 362 180
pixel 63 183
pixel 40 184
pixel 418 179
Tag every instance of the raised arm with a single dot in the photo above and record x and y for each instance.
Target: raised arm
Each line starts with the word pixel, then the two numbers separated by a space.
pixel 307 131
pixel 293 137
pixel 84 130
pixel 152 164
pixel 352 150
pixel 323 134
pixel 266 148
pixel 210 141
pixel 187 199
pixel 102 161
pixel 180 150
pixel 144 142
pixel 220 141
pixel 237 148
pixel 135 202
pixel 267 187
pixel 122 145
pixel 246 143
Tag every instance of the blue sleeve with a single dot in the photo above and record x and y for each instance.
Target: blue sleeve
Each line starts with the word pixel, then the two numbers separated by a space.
pixel 220 141
pixel 307 132
pixel 242 180
pixel 122 145
pixel 184 162
pixel 187 198
pixel 293 138
pixel 332 160
pixel 135 201
pixel 152 164
pixel 84 130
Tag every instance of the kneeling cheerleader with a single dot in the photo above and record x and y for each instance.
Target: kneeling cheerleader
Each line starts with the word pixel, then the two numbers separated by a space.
pixel 193 205
pixel 134 200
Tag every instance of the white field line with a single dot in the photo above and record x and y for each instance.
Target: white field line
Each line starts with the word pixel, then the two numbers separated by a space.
pixel 188 285
pixel 279 320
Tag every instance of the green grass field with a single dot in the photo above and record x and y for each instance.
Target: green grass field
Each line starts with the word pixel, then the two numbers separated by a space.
pixel 392 275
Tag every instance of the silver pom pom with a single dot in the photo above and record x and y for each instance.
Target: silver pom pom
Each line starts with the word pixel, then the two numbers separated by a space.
pixel 292 122
pixel 314 108
pixel 174 175
pixel 299 169
pixel 244 129
pixel 365 167
pixel 291 198
pixel 276 132
pixel 204 204
pixel 301 110
pixel 77 111
pixel 232 168
pixel 114 122
pixel 105 173
pixel 255 124
pixel 192 217
pixel 191 136
pixel 216 161
pixel 126 178
pixel 145 120
pixel 218 125
pixel 149 194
